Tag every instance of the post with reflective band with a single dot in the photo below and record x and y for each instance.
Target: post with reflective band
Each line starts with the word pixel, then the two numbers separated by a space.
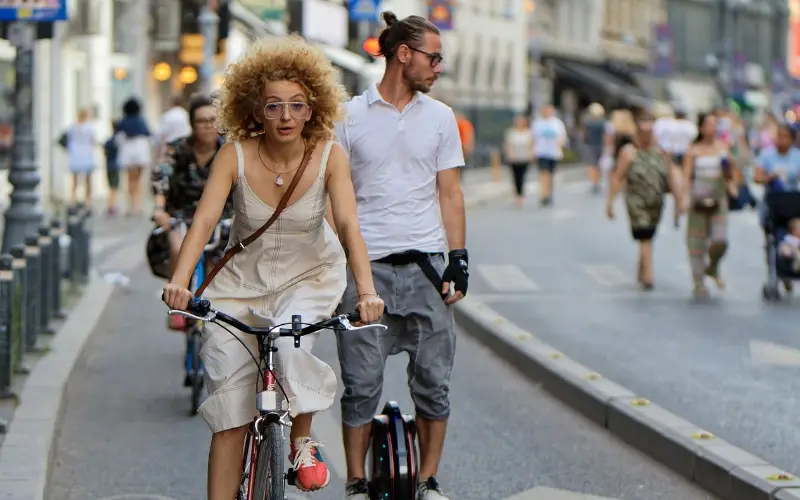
pixel 56 272
pixel 33 257
pixel 19 308
pixel 6 340
pixel 45 278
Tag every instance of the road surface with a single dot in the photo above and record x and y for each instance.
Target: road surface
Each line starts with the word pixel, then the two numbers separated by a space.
pixel 729 364
pixel 126 433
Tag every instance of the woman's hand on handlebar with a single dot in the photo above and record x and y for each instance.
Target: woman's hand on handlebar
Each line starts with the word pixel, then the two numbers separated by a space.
pixel 176 296
pixel 370 308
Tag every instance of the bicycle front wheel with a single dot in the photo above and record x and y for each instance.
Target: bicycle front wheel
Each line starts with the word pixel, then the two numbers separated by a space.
pixel 269 481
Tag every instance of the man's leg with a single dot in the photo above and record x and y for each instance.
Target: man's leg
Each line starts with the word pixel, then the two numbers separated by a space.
pixel 430 341
pixel 362 358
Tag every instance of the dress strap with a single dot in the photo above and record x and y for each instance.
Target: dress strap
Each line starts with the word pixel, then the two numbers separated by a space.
pixel 323 164
pixel 239 158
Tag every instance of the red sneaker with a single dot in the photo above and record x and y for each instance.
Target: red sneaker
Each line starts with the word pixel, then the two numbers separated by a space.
pixel 312 473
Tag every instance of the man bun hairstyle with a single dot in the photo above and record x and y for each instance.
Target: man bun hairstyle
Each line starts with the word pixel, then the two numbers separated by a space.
pixel 407 31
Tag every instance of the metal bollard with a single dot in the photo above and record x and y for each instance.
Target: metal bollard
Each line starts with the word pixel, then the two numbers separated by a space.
pixel 33 256
pixel 71 271
pixel 19 308
pixel 56 272
pixel 7 350
pixel 45 279
pixel 86 245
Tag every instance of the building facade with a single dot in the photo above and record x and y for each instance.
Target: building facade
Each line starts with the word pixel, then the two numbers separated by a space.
pixel 708 35
pixel 485 73
pixel 585 51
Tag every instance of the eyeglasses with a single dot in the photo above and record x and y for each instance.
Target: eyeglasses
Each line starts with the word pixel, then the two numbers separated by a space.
pixel 205 121
pixel 434 57
pixel 297 110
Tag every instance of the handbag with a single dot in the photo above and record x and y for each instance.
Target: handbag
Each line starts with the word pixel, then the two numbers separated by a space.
pixel 238 247
pixel 157 251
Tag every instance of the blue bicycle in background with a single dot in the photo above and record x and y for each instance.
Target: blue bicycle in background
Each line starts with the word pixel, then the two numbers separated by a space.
pixel 192 364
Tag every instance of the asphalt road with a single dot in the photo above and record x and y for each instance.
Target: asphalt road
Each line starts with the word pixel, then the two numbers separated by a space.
pixel 729 364
pixel 126 433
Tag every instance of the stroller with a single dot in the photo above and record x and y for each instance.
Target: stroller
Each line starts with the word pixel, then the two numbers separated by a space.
pixel 781 207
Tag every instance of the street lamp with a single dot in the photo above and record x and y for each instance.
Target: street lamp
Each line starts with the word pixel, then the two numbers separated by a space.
pixel 24 214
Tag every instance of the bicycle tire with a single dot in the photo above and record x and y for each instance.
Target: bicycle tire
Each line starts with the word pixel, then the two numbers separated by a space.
pixel 197 376
pixel 269 483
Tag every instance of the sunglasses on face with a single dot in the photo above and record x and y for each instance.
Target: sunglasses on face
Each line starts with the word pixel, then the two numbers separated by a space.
pixel 275 110
pixel 434 57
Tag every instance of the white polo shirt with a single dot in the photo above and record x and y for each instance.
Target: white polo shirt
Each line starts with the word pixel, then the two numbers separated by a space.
pixel 394 159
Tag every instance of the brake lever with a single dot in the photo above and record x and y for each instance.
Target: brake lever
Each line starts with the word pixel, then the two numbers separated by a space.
pixel 349 326
pixel 210 317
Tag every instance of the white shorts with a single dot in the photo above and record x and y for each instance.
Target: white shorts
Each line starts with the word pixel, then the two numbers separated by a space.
pixel 135 152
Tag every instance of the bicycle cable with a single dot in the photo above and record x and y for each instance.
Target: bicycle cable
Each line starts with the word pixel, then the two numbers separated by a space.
pixel 256 361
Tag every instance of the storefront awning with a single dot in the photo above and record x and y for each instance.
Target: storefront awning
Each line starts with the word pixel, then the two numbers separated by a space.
pixel 600 84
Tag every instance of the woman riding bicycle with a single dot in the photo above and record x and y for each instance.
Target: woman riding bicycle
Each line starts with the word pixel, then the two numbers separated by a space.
pixel 180 177
pixel 278 104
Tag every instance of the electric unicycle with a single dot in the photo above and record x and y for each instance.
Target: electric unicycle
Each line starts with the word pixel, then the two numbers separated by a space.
pixel 394 455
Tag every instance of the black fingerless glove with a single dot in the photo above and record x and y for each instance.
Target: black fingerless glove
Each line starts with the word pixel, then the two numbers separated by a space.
pixel 457 270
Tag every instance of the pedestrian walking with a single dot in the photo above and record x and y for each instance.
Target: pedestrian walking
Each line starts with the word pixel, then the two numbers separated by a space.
pixel 81 141
pixel 518 147
pixel 595 127
pixel 135 151
pixel 405 156
pixel 549 139
pixel 707 167
pixel 643 168
pixel 112 170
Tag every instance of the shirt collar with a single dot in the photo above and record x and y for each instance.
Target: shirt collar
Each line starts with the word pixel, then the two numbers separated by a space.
pixel 373 96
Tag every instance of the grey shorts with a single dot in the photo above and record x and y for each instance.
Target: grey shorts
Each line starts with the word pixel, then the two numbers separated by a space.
pixel 420 323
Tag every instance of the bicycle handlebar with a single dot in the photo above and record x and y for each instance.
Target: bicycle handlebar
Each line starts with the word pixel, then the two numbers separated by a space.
pixel 200 309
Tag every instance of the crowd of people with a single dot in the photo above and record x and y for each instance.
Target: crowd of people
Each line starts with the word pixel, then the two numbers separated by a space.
pixel 706 165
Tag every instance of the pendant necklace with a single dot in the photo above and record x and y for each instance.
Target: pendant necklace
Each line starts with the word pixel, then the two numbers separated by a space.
pixel 279 175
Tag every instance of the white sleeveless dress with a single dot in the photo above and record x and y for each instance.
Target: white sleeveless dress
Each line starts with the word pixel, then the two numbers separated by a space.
pixel 297 266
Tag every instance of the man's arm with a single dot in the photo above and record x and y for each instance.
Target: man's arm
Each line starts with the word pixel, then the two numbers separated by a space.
pixel 449 159
pixel 451 203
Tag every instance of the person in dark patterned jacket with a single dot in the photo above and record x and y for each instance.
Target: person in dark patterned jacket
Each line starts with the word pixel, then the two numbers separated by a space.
pixel 180 176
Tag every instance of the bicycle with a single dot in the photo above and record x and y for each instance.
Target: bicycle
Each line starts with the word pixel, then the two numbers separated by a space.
pixel 264 478
pixel 192 364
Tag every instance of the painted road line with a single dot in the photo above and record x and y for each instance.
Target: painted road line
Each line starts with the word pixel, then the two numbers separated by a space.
pixel 696 454
pixel 543 493
pixel 770 354
pixel 506 278
pixel 607 274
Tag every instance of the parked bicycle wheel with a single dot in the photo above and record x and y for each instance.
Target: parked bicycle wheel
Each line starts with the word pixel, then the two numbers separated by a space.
pixel 269 481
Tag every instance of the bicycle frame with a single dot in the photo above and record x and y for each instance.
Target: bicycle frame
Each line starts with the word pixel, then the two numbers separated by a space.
pixel 267 406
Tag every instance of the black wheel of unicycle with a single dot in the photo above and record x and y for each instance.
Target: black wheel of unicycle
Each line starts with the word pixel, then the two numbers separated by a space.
pixel 268 483
pixel 196 373
pixel 394 455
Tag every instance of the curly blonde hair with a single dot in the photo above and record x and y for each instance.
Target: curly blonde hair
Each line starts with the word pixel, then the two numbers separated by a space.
pixel 289 58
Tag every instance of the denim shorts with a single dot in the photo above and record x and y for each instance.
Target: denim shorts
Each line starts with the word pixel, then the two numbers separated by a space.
pixel 546 164
pixel 419 323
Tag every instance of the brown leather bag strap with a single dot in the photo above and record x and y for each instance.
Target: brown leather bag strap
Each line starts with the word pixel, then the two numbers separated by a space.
pixel 238 247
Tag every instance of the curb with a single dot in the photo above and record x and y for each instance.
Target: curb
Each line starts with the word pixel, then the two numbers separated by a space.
pixel 25 453
pixel 716 465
